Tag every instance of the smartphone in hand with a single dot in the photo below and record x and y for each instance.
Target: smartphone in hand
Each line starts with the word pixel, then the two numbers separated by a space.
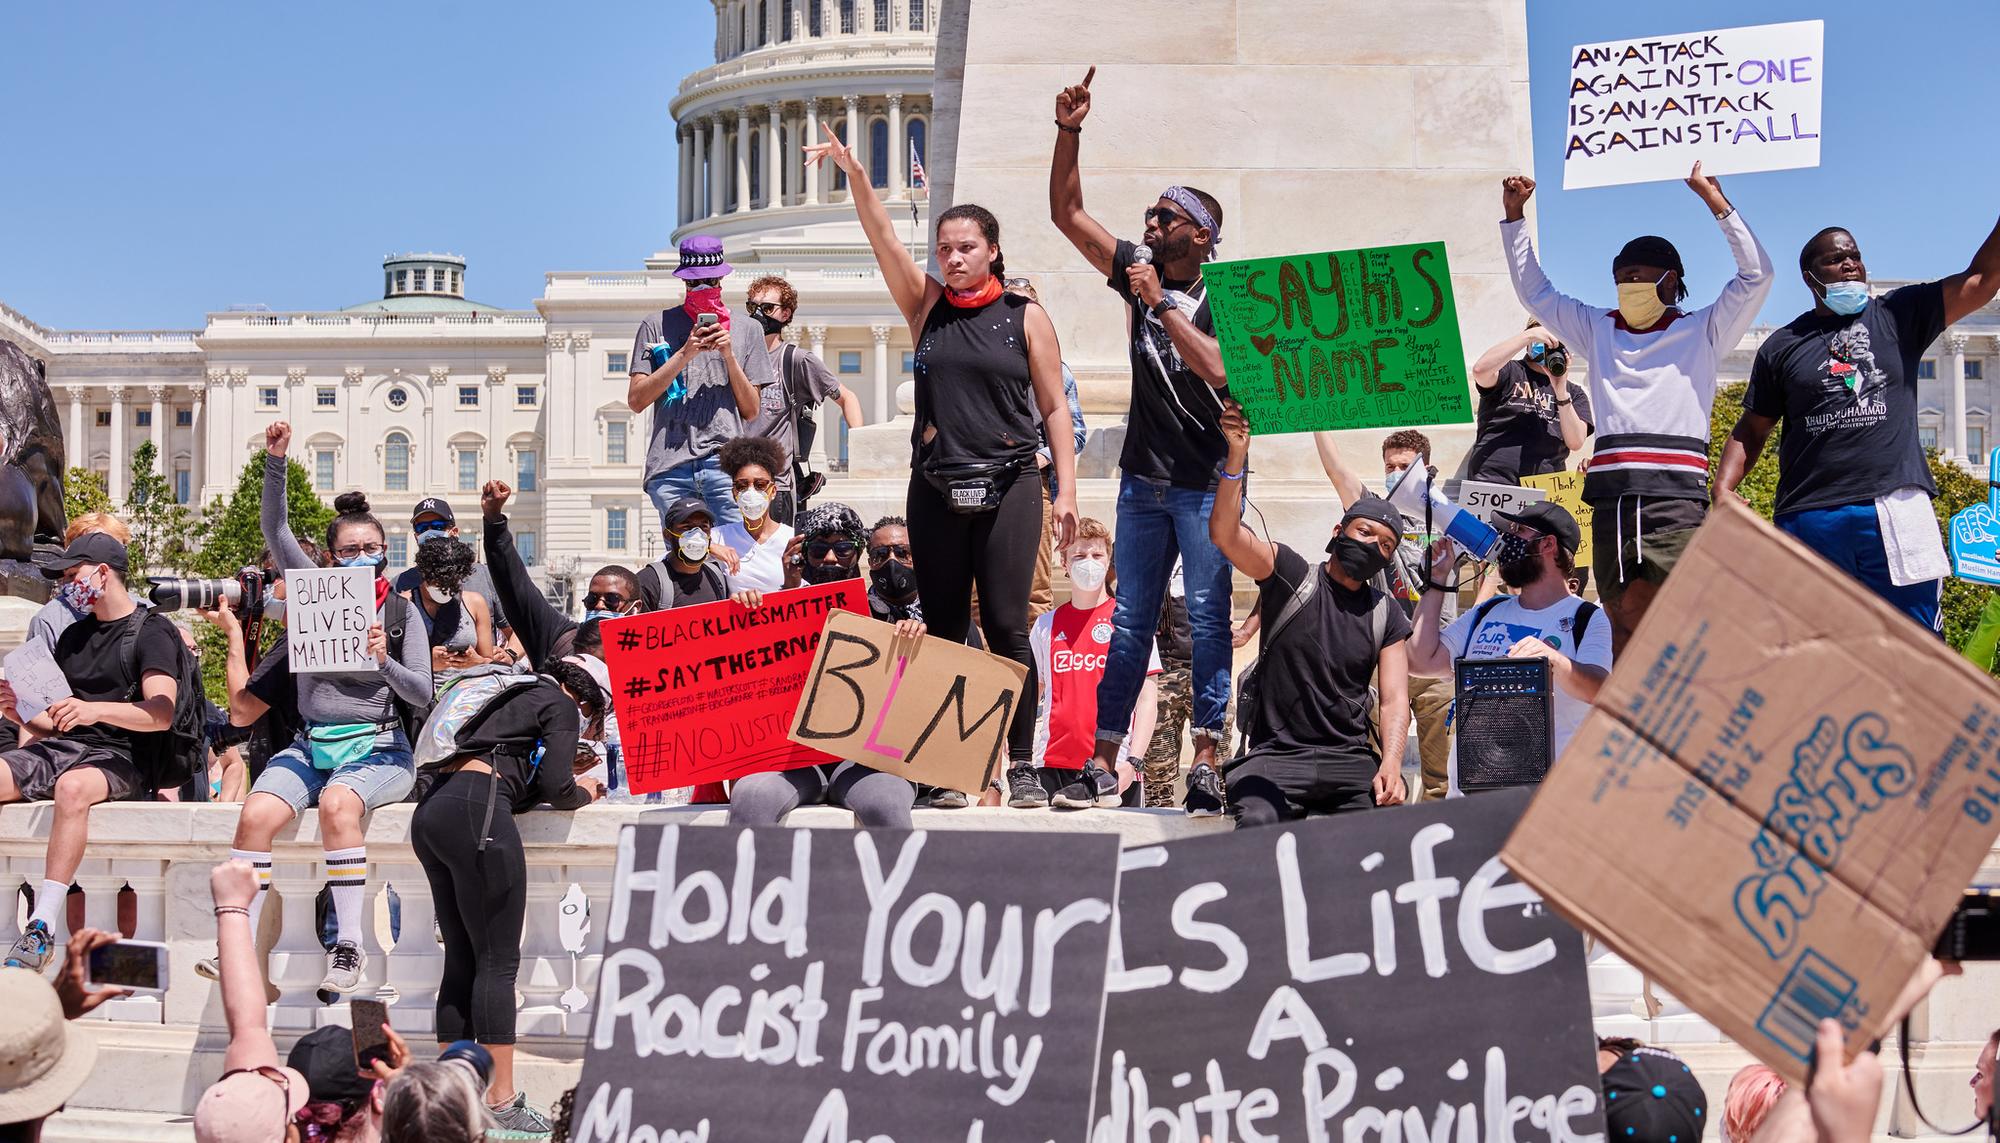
pixel 371 1043
pixel 138 965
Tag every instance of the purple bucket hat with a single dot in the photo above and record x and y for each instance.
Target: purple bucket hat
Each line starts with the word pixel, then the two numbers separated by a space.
pixel 701 257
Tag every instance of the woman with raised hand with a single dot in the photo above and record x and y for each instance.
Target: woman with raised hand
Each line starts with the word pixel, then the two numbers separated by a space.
pixel 354 754
pixel 988 377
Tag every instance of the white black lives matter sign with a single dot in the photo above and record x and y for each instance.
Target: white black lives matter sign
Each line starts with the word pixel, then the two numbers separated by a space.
pixel 828 986
pixel 1372 978
pixel 1734 99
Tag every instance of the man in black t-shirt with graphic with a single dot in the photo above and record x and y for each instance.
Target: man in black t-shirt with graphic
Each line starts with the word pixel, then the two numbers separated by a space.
pixel 1530 417
pixel 1304 719
pixel 80 748
pixel 1853 482
pixel 1173 448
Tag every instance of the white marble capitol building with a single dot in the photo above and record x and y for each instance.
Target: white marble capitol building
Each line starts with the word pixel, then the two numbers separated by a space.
pixel 423 391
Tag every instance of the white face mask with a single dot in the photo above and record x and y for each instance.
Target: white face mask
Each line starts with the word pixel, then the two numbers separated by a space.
pixel 1088 574
pixel 753 503
pixel 693 545
pixel 439 595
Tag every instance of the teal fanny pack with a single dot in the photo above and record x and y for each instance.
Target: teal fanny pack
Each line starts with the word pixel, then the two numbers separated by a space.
pixel 333 745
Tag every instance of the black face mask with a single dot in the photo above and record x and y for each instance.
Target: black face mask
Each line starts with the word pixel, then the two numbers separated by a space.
pixel 817 573
pixel 1360 559
pixel 1519 566
pixel 771 325
pixel 894 580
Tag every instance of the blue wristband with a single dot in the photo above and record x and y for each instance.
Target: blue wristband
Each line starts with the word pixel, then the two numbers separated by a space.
pixel 1228 475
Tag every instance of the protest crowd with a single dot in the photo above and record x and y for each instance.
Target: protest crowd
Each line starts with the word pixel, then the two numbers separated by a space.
pixel 467 692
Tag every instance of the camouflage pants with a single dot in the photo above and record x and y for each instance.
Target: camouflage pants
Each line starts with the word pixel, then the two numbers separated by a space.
pixel 1163 755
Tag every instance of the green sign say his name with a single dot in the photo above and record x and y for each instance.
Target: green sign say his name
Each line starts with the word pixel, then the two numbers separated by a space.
pixel 1348 340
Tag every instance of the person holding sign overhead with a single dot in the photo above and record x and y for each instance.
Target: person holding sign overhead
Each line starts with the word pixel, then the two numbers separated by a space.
pixel 115 675
pixel 1173 446
pixel 988 378
pixel 1303 706
pixel 1652 380
pixel 354 755
pixel 1853 483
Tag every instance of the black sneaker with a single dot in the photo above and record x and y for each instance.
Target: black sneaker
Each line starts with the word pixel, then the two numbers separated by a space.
pixel 1094 787
pixel 1024 788
pixel 1204 792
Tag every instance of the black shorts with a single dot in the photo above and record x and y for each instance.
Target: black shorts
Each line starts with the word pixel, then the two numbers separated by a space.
pixel 1267 789
pixel 37 765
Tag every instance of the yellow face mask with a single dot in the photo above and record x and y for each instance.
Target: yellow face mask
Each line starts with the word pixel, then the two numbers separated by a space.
pixel 1639 303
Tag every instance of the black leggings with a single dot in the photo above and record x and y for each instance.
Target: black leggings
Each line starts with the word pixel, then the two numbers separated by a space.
pixel 996 550
pixel 481 897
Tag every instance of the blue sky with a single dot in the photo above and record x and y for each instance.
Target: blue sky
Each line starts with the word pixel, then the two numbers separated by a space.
pixel 168 160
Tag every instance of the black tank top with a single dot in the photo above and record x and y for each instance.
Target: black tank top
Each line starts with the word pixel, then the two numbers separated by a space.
pixel 973 385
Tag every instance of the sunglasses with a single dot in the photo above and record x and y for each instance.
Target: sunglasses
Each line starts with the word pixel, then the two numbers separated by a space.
pixel 845 549
pixel 884 551
pixel 603 600
pixel 761 309
pixel 278 1077
pixel 1165 217
pixel 432 526
pixel 764 485
pixel 1017 284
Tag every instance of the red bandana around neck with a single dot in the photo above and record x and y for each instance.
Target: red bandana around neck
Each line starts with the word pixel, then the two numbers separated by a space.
pixel 701 302
pixel 973 299
pixel 381 591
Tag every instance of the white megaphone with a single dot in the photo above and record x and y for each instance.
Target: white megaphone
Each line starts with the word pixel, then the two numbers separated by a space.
pixel 1414 488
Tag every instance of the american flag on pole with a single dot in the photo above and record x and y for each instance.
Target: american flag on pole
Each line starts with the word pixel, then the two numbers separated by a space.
pixel 917 179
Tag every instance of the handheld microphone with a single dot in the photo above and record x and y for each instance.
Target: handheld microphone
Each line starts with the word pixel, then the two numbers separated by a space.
pixel 1142 254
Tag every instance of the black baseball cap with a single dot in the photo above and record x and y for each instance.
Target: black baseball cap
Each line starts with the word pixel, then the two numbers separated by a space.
pixel 1650 1096
pixel 684 510
pixel 433 506
pixel 1373 508
pixel 89 548
pixel 1548 518
pixel 325 1056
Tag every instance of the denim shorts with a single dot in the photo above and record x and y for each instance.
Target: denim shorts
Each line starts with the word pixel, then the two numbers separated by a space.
pixel 381 779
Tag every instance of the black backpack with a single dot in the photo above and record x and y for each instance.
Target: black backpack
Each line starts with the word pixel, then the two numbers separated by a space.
pixel 396 625
pixel 170 758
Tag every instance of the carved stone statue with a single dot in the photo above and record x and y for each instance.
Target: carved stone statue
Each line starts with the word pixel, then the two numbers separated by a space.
pixel 31 457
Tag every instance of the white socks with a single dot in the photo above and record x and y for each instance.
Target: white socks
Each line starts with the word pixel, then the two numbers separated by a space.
pixel 347 877
pixel 49 900
pixel 261 862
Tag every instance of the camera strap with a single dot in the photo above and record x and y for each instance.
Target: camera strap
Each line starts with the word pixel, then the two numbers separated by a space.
pixel 1910 1089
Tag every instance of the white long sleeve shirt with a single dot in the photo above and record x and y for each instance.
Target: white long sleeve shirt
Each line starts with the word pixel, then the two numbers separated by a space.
pixel 1650 389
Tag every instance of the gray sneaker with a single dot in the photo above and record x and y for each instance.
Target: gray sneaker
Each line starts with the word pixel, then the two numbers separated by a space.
pixel 950 800
pixel 344 966
pixel 32 948
pixel 209 968
pixel 516 1115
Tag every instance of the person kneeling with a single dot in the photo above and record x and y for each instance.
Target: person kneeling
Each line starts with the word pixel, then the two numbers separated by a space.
pixel 827 549
pixel 1303 707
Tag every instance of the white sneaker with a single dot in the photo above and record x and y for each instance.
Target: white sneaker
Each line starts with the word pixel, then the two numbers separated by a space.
pixel 344 966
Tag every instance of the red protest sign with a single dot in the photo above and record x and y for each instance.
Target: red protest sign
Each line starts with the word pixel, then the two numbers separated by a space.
pixel 706 693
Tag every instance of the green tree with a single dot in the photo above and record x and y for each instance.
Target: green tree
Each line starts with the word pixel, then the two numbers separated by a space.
pixel 1957 490
pixel 163 533
pixel 84 493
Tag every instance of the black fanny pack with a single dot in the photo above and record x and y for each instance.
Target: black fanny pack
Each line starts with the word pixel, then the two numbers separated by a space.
pixel 970 489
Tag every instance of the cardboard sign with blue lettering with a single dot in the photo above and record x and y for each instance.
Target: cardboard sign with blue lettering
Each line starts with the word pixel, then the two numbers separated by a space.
pixel 1778 798
pixel 1341 979
pixel 1975 536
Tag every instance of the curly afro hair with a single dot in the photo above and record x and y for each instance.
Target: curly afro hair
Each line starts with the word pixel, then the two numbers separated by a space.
pixel 763 452
pixel 444 563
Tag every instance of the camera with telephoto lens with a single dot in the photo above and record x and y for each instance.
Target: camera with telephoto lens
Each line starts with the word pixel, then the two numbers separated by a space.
pixel 244 595
pixel 1554 358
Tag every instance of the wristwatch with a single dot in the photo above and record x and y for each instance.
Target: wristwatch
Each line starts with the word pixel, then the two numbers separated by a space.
pixel 1163 307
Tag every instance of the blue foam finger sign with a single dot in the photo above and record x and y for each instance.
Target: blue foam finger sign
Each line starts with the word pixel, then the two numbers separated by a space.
pixel 1975 536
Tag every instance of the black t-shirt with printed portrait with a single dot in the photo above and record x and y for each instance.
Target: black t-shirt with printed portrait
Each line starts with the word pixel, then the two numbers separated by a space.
pixel 1312 692
pixel 1519 427
pixel 1845 389
pixel 1173 434
pixel 92 655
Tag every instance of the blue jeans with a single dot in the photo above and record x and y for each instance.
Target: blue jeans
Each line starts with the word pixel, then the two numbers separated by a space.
pixel 702 479
pixel 1850 538
pixel 1156 522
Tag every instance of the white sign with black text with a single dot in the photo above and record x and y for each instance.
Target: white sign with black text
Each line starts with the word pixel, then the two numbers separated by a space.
pixel 328 612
